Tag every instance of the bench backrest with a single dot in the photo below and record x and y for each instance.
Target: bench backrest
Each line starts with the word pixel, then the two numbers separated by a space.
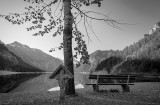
pixel 111 76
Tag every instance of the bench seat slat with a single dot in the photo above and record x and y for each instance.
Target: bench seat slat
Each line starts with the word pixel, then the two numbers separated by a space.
pixel 111 77
pixel 110 84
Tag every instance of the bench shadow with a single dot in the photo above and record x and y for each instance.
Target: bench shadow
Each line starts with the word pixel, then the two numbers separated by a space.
pixel 111 91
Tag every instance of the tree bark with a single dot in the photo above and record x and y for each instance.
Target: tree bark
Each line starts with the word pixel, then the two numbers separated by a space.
pixel 67 41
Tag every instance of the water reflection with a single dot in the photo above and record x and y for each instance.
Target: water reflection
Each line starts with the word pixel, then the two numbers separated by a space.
pixel 10 80
pixel 80 81
pixel 34 82
pixel 81 78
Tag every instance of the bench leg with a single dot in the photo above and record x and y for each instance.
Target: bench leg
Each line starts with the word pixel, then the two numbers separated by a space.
pixel 125 88
pixel 95 88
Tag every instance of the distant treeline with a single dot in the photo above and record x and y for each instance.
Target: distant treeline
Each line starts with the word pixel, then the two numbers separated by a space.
pixel 144 56
pixel 141 65
pixel 130 65
pixel 108 63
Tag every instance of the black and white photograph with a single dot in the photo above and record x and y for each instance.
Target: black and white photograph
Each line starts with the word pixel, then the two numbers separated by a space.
pixel 79 52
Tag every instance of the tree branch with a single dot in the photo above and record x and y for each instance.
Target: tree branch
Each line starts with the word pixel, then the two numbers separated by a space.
pixel 53 2
pixel 56 9
pixel 92 30
pixel 86 30
pixel 112 21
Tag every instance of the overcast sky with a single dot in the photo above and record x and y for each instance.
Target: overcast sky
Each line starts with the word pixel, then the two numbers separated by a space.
pixel 142 14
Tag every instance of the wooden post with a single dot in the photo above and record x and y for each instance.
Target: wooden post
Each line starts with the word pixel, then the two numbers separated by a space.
pixel 125 88
pixel 96 87
pixel 62 85
pixel 128 79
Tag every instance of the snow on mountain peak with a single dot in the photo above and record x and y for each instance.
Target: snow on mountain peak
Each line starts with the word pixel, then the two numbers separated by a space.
pixel 1 42
pixel 155 28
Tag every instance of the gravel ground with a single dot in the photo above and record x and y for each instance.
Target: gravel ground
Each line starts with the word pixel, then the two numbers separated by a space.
pixel 141 94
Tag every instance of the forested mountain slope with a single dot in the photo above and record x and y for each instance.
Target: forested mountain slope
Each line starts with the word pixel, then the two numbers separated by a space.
pixel 34 57
pixel 142 56
pixel 10 62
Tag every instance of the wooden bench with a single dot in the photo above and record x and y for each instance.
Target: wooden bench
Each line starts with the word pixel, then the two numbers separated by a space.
pixel 123 80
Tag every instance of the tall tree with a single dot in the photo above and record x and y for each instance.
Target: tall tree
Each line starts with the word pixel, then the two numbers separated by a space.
pixel 41 13
pixel 67 44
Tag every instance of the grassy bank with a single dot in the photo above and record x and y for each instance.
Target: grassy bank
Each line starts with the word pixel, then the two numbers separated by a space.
pixel 141 94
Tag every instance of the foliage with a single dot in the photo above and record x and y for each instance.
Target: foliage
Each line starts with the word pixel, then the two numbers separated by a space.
pixel 108 63
pixel 148 47
pixel 142 56
pixel 141 66
pixel 45 20
pixel 131 65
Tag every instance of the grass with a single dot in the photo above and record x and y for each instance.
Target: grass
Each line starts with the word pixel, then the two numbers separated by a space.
pixel 141 94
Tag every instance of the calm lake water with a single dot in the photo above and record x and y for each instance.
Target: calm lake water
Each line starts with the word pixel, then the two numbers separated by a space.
pixel 29 81
pixel 10 80
pixel 35 82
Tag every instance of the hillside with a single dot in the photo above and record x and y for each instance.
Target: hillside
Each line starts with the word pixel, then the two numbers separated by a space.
pixel 148 47
pixel 142 56
pixel 34 57
pixel 10 62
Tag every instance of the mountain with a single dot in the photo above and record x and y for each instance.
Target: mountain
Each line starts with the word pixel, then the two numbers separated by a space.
pixel 34 57
pixel 148 47
pixel 10 62
pixel 142 56
pixel 1 42
pixel 155 28
pixel 96 58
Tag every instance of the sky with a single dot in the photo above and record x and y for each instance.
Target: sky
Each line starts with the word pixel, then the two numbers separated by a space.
pixel 141 15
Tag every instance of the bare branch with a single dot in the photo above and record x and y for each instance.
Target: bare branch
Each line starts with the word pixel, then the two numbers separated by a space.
pixel 57 8
pixel 106 19
pixel 52 2
pixel 92 30
pixel 86 30
pixel 79 20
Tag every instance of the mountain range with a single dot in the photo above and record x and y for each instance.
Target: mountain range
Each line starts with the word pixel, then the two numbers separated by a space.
pixel 141 57
pixel 146 48
pixel 10 62
pixel 34 57
pixel 144 55
pixel 22 55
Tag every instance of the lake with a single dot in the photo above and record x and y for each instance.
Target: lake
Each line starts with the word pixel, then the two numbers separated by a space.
pixel 10 80
pixel 34 82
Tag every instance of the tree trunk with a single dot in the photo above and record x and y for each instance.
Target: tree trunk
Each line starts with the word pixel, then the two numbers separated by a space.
pixel 67 41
